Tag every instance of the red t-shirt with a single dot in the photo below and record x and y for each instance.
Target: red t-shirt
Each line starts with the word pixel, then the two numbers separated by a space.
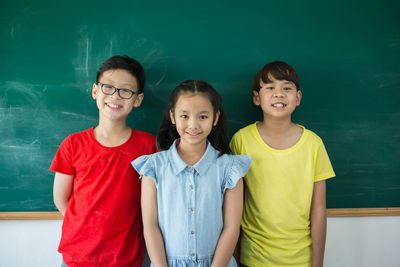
pixel 102 224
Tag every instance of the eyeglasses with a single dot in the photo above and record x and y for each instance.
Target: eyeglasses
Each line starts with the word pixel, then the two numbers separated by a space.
pixel 110 90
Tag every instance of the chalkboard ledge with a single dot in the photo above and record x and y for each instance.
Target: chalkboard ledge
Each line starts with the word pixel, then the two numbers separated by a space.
pixel 353 212
pixel 52 215
pixel 363 212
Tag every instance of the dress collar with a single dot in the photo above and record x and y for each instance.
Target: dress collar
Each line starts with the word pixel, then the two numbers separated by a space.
pixel 178 165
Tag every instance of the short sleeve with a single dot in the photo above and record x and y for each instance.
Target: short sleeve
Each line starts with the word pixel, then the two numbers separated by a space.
pixel 62 162
pixel 323 166
pixel 145 166
pixel 239 167
pixel 234 144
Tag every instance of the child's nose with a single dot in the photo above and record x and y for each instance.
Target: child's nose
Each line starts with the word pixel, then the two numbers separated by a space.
pixel 279 92
pixel 193 123
pixel 115 95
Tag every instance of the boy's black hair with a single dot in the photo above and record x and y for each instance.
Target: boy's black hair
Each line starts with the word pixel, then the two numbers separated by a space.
pixel 218 136
pixel 126 63
pixel 279 70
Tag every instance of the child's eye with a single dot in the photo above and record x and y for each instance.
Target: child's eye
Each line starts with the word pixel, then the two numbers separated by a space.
pixel 107 86
pixel 270 88
pixel 203 117
pixel 184 116
pixel 287 88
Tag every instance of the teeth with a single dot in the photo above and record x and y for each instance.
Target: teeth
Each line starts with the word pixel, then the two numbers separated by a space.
pixel 279 105
pixel 112 105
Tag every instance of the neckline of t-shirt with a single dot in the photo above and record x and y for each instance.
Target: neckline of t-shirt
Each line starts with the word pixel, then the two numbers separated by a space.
pixel 274 150
pixel 112 147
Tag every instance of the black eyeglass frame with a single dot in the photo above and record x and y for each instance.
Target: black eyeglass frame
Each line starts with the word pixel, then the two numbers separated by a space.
pixel 117 89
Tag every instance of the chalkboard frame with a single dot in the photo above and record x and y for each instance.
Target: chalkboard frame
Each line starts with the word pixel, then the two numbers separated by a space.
pixel 354 212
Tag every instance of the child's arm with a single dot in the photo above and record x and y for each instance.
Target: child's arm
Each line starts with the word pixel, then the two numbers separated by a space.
pixel 232 212
pixel 62 190
pixel 151 230
pixel 318 223
pixel 236 252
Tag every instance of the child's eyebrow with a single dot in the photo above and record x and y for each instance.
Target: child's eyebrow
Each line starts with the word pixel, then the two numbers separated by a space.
pixel 201 112
pixel 122 84
pixel 288 82
pixel 265 84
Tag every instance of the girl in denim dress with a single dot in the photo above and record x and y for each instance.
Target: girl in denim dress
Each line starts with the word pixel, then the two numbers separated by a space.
pixel 192 191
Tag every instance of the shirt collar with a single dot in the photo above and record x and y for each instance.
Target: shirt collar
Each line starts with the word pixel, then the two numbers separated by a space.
pixel 201 166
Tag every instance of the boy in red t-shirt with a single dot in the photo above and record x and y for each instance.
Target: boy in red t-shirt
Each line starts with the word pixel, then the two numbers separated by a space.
pixel 95 186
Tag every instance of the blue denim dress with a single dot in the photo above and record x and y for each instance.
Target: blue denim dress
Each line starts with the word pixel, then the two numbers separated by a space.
pixel 190 201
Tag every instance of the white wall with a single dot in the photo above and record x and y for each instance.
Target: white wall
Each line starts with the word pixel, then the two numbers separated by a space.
pixel 363 241
pixel 351 242
pixel 30 243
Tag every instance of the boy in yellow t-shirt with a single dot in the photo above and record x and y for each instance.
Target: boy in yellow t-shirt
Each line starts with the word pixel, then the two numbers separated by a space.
pixel 284 217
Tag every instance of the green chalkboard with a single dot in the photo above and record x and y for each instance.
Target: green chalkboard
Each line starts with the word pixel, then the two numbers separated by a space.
pixel 347 54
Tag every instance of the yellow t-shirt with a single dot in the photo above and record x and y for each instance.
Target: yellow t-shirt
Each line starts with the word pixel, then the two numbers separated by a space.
pixel 278 194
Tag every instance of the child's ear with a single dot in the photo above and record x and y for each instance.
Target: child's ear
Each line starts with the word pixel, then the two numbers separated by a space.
pixel 95 91
pixel 216 118
pixel 299 95
pixel 138 100
pixel 171 116
pixel 256 98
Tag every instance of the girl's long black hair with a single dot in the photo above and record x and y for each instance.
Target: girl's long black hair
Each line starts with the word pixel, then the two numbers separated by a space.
pixel 218 136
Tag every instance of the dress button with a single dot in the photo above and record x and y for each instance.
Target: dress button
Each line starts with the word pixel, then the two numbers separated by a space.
pixel 191 187
pixel 192 254
pixel 191 209
pixel 192 232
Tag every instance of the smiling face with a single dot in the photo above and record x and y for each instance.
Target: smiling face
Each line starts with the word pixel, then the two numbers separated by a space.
pixel 194 118
pixel 278 98
pixel 113 107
